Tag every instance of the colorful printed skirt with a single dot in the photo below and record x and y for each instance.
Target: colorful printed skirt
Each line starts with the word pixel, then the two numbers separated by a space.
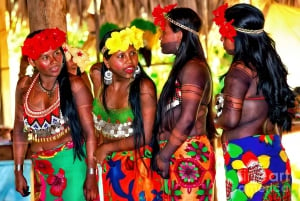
pixel 257 168
pixel 127 179
pixel 192 171
pixel 57 175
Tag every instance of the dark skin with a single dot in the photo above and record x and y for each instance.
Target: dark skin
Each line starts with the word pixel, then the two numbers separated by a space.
pixel 245 110
pixel 190 116
pixel 95 75
pixel 249 116
pixel 49 66
pixel 118 93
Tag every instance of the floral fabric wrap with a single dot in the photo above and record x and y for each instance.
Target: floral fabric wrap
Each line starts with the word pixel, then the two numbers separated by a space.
pixel 257 168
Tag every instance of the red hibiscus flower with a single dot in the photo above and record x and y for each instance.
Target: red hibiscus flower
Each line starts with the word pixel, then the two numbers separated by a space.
pixel 44 166
pixel 58 183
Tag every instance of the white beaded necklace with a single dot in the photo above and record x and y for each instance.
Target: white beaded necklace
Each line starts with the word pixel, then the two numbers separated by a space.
pixel 42 113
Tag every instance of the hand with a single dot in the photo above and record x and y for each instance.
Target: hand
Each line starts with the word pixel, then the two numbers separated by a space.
pixel 100 154
pixel 162 166
pixel 21 184
pixel 91 188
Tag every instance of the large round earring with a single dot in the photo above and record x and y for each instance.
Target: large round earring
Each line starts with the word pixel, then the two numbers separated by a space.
pixel 137 71
pixel 108 77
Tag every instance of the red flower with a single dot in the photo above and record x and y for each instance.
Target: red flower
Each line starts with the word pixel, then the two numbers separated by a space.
pixel 44 166
pixel 158 14
pixel 42 42
pixel 219 14
pixel 226 28
pixel 58 183
pixel 253 170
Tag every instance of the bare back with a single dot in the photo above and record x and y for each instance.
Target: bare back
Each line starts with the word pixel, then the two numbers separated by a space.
pixel 245 109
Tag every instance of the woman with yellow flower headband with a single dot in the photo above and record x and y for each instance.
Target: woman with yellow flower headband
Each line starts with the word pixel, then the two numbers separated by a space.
pixel 256 108
pixel 184 128
pixel 53 114
pixel 124 113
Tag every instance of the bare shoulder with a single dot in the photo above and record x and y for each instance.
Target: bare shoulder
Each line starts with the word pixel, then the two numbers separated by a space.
pixel 96 68
pixel 24 82
pixel 76 82
pixel 194 70
pixel 148 87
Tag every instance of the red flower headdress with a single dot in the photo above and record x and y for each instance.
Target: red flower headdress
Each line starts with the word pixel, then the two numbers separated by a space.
pixel 159 13
pixel 47 39
pixel 226 28
pixel 160 17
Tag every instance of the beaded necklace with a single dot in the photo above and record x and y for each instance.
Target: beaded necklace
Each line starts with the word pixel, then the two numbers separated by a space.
pixel 42 113
pixel 49 92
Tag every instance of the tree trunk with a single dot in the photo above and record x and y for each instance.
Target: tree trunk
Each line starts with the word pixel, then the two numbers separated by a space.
pixel 5 100
pixel 47 14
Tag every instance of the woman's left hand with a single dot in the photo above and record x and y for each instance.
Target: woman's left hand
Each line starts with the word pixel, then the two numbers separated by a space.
pixel 162 167
pixel 100 154
pixel 91 187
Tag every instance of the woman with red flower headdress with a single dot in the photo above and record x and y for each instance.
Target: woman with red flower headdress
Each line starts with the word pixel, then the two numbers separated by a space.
pixel 184 126
pixel 53 114
pixel 254 108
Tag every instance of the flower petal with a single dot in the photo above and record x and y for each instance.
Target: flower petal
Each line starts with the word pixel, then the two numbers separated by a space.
pixel 251 188
pixel 264 161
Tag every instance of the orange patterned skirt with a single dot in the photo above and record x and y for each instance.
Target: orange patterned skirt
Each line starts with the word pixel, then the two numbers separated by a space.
pixel 192 171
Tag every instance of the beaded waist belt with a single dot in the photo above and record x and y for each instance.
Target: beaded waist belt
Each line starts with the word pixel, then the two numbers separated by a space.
pixel 113 130
pixel 36 137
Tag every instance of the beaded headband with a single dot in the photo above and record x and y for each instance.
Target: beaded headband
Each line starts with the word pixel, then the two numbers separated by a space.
pixel 120 40
pixel 249 31
pixel 160 15
pixel 227 30
pixel 51 38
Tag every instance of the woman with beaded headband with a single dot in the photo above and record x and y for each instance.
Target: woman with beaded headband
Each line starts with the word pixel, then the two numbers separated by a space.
pixel 256 103
pixel 124 113
pixel 53 114
pixel 184 127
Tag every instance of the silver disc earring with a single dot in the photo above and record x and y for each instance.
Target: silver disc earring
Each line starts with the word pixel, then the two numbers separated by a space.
pixel 108 77
pixel 137 71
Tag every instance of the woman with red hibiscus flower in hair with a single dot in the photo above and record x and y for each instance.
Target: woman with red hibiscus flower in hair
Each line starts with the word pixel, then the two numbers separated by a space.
pixel 53 114
pixel 255 108
pixel 184 128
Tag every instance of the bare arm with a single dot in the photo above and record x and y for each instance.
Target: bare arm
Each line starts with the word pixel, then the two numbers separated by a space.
pixel 83 99
pixel 236 85
pixel 148 109
pixel 20 142
pixel 194 77
pixel 95 75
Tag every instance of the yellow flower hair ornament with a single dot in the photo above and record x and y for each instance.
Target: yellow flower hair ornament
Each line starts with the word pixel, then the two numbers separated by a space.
pixel 80 57
pixel 120 41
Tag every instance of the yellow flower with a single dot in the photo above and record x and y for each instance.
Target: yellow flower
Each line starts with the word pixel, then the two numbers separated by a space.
pixel 120 41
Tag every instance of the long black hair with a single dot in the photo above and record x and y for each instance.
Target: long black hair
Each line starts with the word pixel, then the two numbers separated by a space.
pixel 67 106
pixel 134 95
pixel 189 48
pixel 258 50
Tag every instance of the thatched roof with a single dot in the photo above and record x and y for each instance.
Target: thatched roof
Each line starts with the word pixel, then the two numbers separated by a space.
pixel 121 12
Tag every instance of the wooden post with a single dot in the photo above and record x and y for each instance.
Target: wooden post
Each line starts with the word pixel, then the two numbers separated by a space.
pixel 5 101
pixel 47 14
